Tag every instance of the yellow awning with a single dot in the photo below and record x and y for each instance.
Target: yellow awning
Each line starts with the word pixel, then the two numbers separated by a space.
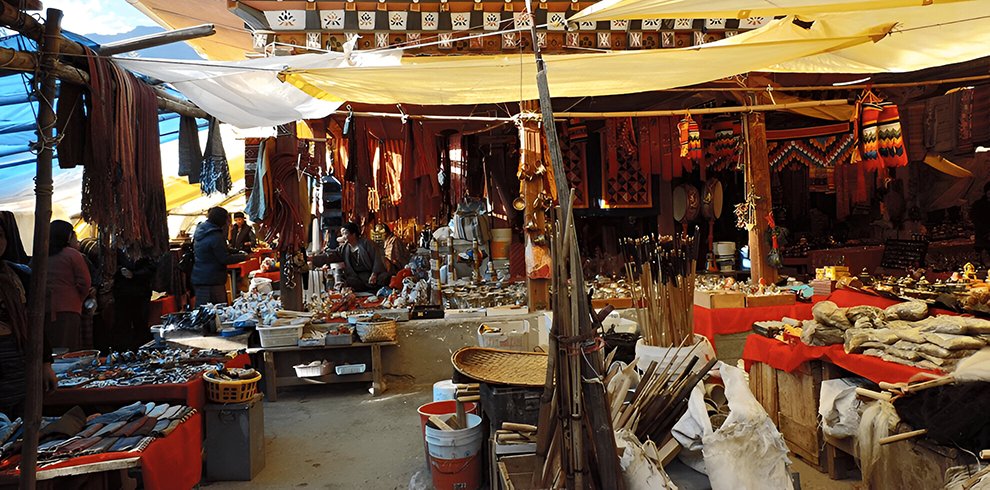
pixel 489 79
pixel 230 42
pixel 733 9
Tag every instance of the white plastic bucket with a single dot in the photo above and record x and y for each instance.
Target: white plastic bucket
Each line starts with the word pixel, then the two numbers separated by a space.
pixel 455 444
pixel 501 243
pixel 444 390
pixel 663 355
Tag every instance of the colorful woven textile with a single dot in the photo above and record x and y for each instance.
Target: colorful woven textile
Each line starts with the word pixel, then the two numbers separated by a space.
pixel 723 146
pixel 690 138
pixel 890 140
pixel 869 141
pixel 626 180
pixel 821 151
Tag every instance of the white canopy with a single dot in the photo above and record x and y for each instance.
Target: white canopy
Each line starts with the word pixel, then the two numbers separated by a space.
pixel 248 93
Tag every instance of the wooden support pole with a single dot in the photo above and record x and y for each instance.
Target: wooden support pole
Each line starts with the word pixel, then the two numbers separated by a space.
pixel 292 289
pixel 530 157
pixel 157 39
pixel 20 21
pixel 758 179
pixel 45 83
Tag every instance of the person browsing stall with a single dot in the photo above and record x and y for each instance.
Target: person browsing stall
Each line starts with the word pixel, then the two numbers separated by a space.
pixel 242 235
pixel 209 271
pixel 364 264
pixel 69 285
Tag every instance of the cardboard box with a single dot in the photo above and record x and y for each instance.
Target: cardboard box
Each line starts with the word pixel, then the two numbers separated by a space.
pixel 714 300
pixel 770 300
pixel 617 303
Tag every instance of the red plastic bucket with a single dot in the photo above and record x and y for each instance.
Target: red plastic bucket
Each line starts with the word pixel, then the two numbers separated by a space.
pixel 443 407
pixel 455 456
pixel 456 474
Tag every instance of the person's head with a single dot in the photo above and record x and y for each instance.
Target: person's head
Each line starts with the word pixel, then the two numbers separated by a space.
pixel 239 218
pixel 351 232
pixel 218 216
pixel 387 230
pixel 61 235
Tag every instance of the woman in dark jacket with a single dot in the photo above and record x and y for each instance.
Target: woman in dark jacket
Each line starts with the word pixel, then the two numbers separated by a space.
pixel 209 273
pixel 14 279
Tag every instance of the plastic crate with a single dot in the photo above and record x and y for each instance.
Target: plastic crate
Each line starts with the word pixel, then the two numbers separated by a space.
pixel 510 404
pixel 340 339
pixel 514 335
pixel 344 369
pixel 280 336
pixel 224 391
pixel 307 371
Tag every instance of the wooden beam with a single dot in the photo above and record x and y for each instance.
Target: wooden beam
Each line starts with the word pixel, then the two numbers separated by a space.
pixel 25 24
pixel 758 179
pixel 712 110
pixel 33 355
pixel 158 39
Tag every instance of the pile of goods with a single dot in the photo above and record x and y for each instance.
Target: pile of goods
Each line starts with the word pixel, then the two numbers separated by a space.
pixel 464 294
pixel 412 292
pixel 755 293
pixel 903 333
pixel 144 367
pixel 664 268
pixel 604 288
pixel 250 310
pixel 961 290
pixel 330 306
pixel 130 428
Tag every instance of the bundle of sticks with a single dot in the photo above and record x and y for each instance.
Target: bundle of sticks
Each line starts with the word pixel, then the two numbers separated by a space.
pixel 512 433
pixel 661 397
pixel 665 269
pixel 465 393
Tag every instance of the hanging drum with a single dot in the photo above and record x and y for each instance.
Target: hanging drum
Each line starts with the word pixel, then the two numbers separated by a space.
pixel 679 196
pixel 711 201
pixel 693 203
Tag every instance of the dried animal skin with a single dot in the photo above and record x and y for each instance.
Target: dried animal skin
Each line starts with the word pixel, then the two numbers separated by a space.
pixel 814 333
pixel 954 342
pixel 829 314
pixel 910 311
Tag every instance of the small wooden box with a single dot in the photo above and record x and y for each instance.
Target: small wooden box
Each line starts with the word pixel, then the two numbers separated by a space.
pixel 716 300
pixel 516 472
pixel 770 300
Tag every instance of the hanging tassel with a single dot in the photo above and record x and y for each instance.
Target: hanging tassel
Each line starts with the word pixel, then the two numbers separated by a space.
pixel 694 141
pixel 869 137
pixel 890 139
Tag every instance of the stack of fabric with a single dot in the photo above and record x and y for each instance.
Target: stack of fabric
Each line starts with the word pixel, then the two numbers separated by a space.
pixel 128 429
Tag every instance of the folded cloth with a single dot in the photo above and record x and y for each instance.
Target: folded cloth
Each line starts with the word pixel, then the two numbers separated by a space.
pixel 126 443
pixel 122 413
pixel 160 426
pixel 91 430
pixel 132 426
pixel 77 446
pixel 148 407
pixel 172 412
pixel 52 444
pixel 9 429
pixel 159 410
pixel 69 424
pixel 103 446
pixel 147 427
pixel 110 428
pixel 168 430
pixel 141 446
pixel 188 412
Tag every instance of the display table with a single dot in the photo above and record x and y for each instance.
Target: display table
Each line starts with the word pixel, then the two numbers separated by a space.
pixel 239 270
pixel 275 364
pixel 789 357
pixel 161 307
pixel 191 393
pixel 724 321
pixel 171 462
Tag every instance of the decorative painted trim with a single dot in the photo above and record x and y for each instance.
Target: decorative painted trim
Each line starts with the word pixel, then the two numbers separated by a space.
pixel 619 25
pixel 522 20
pixel 332 20
pixel 604 39
pixel 683 24
pixel 431 20
pixel 714 23
pixel 446 40
pixel 493 20
pixel 635 39
pixel 398 20
pixel 652 24
pixel 460 21
pixel 313 40
pixel 286 20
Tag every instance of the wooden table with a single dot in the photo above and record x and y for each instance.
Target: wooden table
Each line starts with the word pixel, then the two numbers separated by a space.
pixel 275 364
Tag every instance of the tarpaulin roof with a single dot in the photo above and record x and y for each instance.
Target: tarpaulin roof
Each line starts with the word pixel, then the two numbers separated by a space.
pixel 738 9
pixel 488 79
pixel 18 123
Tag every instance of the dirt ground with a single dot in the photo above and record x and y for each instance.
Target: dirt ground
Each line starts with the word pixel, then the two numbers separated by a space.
pixel 343 438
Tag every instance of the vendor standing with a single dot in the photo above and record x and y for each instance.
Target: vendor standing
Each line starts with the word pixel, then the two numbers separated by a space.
pixel 242 235
pixel 209 272
pixel 364 264
pixel 14 326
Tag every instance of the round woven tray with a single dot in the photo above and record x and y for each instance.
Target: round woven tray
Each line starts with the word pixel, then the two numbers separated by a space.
pixel 501 366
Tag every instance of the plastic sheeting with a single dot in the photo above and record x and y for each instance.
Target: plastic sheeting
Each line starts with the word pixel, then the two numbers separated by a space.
pixel 736 9
pixel 248 93
pixel 506 78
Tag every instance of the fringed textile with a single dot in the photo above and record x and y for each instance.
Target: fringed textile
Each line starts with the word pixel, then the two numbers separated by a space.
pixel 869 140
pixel 690 138
pixel 215 176
pixel 890 140
pixel 190 154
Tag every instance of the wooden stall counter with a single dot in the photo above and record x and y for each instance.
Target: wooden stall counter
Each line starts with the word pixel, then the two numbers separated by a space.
pixel 276 365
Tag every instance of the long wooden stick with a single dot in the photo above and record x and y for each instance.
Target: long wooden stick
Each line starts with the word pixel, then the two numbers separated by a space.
pixel 903 437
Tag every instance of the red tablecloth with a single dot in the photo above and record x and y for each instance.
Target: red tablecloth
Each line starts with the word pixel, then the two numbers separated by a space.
pixel 787 357
pixel 722 321
pixel 192 394
pixel 251 264
pixel 172 462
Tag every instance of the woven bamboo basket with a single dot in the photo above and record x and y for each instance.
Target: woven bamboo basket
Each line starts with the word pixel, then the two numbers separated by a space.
pixel 383 331
pixel 502 366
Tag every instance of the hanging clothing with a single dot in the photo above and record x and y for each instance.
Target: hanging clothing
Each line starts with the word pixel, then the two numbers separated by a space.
pixel 190 154
pixel 215 176
pixel 257 204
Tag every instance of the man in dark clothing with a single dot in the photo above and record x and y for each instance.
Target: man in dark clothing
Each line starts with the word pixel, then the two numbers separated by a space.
pixel 209 273
pixel 364 261
pixel 131 301
pixel 241 234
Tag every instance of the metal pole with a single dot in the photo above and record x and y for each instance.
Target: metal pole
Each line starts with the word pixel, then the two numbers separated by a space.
pixel 44 82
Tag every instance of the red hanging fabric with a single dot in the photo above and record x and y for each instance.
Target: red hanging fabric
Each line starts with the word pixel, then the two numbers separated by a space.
pixel 890 139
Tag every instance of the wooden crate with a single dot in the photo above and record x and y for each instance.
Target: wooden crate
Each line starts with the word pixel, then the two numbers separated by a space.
pixel 617 303
pixel 516 472
pixel 763 384
pixel 770 300
pixel 791 401
pixel 715 300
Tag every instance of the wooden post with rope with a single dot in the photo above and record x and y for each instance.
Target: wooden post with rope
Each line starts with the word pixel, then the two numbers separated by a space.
pixel 44 82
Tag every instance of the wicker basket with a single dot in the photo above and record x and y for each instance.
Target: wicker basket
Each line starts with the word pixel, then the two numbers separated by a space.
pixel 383 331
pixel 223 391
pixel 501 366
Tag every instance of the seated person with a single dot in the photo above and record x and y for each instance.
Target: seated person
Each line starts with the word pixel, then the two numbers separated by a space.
pixel 242 236
pixel 364 264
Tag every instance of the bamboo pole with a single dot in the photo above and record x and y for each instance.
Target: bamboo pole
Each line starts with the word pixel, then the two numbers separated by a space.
pixel 45 83
pixel 157 39
pixel 712 110
pixel 820 88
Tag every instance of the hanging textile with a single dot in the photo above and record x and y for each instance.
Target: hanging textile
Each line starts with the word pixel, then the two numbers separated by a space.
pixel 964 143
pixel 626 181
pixel 215 176
pixel 821 146
pixel 574 150
pixel 257 202
pixel 148 172
pixel 667 135
pixel 190 154
pixel 869 140
pixel 723 148
pixel 981 115
pixel 689 137
pixel 913 126
pixel 890 141
pixel 70 122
